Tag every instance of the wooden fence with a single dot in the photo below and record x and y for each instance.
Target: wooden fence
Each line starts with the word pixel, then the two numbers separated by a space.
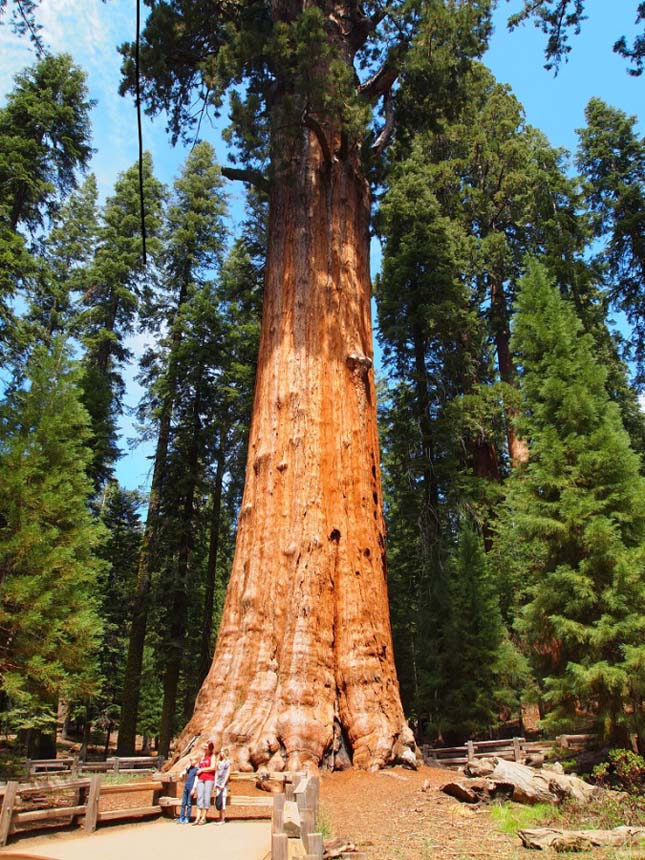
pixel 294 820
pixel 239 799
pixel 73 766
pixel 81 805
pixel 512 749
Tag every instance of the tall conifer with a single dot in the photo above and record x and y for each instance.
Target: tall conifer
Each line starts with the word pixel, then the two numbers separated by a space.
pixel 576 516
pixel 49 625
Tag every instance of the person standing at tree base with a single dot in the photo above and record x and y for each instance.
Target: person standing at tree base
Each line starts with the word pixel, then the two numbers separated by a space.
pixel 205 779
pixel 222 776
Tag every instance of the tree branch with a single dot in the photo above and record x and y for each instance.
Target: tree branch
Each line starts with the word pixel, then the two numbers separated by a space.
pixel 312 123
pixel 253 177
pixel 380 83
pixel 386 132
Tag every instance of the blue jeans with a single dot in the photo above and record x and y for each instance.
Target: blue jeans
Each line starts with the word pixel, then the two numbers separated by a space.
pixel 186 802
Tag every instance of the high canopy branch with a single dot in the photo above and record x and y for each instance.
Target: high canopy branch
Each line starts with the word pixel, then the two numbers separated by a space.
pixel 251 177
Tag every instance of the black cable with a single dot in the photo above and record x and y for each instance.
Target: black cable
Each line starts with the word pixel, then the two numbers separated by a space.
pixel 138 97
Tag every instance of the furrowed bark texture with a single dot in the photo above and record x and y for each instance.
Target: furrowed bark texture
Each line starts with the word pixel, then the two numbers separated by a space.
pixel 304 654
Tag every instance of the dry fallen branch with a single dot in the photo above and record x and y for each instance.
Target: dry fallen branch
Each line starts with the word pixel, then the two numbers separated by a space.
pixel 581 840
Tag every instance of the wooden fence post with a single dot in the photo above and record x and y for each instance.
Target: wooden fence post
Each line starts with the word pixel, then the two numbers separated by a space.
pixel 313 794
pixel 279 846
pixel 277 816
pixel 470 751
pixel 306 823
pixel 8 802
pixel 92 807
pixel 517 749
pixel 314 846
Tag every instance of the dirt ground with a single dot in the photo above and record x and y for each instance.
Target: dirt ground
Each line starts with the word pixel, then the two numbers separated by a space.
pixel 389 817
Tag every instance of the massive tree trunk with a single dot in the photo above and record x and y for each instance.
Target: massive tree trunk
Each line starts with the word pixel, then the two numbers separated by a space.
pixel 304 652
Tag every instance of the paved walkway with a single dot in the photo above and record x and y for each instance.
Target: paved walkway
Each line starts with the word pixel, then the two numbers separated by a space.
pixel 156 840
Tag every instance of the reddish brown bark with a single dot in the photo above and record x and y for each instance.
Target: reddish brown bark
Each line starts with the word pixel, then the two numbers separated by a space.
pixel 304 648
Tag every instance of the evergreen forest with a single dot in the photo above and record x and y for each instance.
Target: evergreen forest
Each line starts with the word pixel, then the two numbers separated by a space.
pixel 511 434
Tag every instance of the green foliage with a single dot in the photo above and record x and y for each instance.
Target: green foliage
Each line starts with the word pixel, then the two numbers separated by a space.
pixel 67 254
pixel 49 627
pixel 476 653
pixel 556 18
pixel 117 284
pixel 151 696
pixel 623 769
pixel 511 817
pixel 611 158
pixel 573 522
pixel 23 19
pixel 44 139
pixel 119 514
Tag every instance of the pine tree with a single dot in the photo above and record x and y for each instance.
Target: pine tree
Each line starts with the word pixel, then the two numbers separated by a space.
pixel 611 158
pixel 44 139
pixel 119 513
pixel 44 143
pixel 118 282
pixel 477 654
pixel 576 518
pixel 49 625
pixel 65 260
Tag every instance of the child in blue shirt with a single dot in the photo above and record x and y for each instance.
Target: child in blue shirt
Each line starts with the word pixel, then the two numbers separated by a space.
pixel 190 773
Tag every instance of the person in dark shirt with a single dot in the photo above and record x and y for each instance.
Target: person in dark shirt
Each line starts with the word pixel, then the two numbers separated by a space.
pixel 189 791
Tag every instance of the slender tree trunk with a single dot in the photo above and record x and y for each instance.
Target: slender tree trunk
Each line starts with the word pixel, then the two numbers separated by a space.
pixel 206 653
pixel 305 639
pixel 132 676
pixel 430 526
pixel 136 643
pixel 518 448
pixel 179 600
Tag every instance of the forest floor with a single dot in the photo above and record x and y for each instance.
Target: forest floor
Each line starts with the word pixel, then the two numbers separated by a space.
pixel 389 816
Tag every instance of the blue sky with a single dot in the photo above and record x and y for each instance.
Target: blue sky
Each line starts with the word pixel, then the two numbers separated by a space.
pixel 90 31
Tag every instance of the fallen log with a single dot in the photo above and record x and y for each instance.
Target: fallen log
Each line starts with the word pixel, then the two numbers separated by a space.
pixel 337 847
pixel 478 790
pixel 540 786
pixel 541 838
pixel 494 777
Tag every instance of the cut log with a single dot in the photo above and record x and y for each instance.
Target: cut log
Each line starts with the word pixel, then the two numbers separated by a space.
pixel 538 786
pixel 495 777
pixel 480 767
pixel 478 790
pixel 581 840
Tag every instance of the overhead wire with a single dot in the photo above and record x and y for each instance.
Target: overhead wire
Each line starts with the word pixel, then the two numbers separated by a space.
pixel 137 80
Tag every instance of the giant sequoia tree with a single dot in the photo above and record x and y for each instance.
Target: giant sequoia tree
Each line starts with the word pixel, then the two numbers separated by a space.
pixel 304 659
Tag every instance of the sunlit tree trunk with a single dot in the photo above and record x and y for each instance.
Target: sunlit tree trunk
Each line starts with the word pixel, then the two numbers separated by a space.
pixel 304 651
pixel 518 448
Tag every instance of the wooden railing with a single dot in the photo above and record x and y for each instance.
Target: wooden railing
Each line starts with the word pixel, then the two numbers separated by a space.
pixel 512 749
pixel 85 796
pixel 294 821
pixel 115 764
pixel 246 805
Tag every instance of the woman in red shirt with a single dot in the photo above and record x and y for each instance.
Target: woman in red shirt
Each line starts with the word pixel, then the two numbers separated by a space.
pixel 205 778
